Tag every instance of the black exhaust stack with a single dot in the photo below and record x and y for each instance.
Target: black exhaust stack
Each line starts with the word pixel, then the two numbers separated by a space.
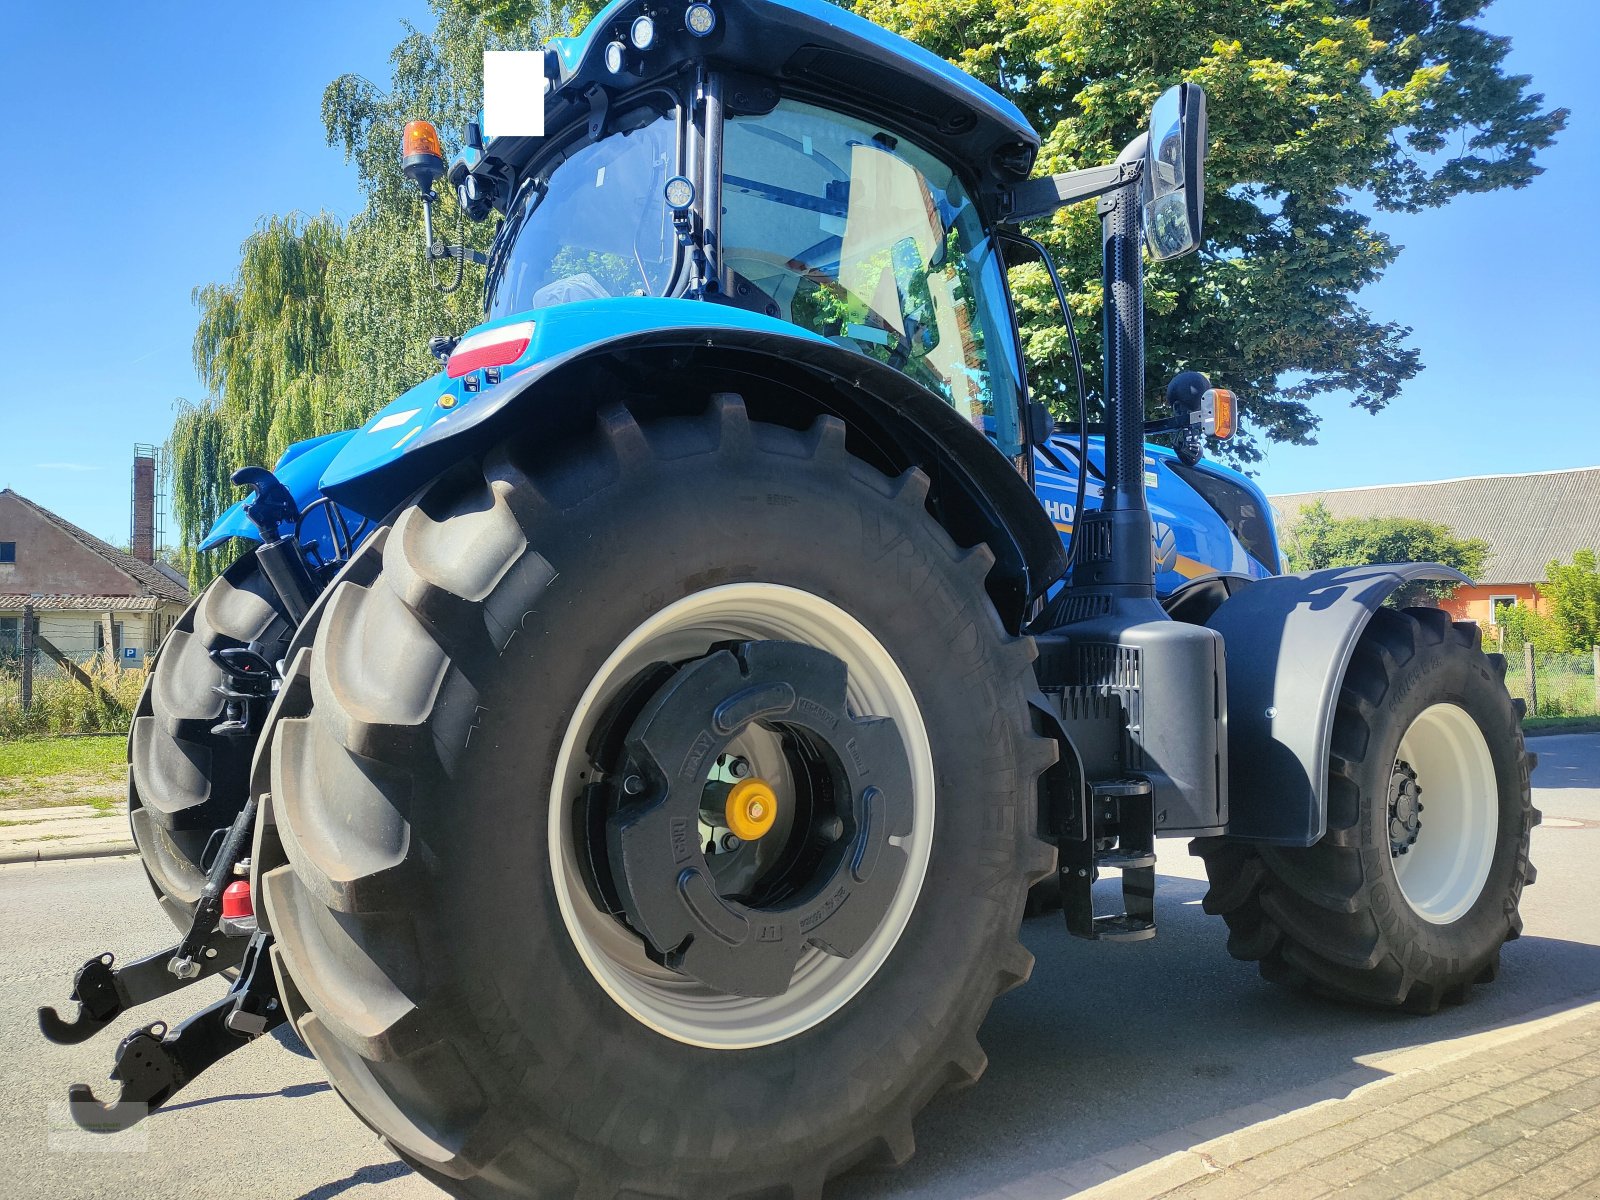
pixel 1139 695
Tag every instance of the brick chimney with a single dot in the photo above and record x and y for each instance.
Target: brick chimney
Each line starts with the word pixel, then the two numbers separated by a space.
pixel 144 508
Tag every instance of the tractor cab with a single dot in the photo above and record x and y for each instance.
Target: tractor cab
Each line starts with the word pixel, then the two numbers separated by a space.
pixel 828 221
pixel 841 180
pixel 823 184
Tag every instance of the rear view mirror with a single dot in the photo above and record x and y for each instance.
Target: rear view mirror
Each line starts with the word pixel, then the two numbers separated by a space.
pixel 1173 183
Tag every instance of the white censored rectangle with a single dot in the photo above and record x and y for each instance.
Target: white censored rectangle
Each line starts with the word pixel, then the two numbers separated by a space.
pixel 513 93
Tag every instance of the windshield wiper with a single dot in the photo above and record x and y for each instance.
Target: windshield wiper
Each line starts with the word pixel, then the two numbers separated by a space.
pixel 782 195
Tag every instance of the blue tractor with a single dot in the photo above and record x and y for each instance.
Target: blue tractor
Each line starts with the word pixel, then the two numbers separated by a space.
pixel 626 759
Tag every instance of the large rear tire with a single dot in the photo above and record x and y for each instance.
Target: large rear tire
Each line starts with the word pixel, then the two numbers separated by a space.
pixel 468 997
pixel 1408 897
pixel 185 782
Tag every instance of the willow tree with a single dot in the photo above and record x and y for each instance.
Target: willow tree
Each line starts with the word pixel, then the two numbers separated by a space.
pixel 266 352
pixel 385 295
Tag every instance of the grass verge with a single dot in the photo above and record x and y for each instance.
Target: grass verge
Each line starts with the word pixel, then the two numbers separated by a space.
pixel 1537 725
pixel 47 771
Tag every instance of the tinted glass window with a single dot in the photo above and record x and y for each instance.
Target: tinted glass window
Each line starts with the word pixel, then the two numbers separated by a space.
pixel 1245 515
pixel 598 227
pixel 870 241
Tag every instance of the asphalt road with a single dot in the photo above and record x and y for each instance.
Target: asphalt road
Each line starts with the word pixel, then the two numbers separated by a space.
pixel 1107 1045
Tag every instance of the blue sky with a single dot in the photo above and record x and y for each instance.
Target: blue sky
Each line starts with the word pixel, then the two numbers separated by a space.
pixel 155 139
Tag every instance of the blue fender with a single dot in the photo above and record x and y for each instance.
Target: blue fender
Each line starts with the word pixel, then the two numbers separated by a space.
pixel 559 378
pixel 367 469
pixel 1289 640
pixel 409 429
pixel 300 470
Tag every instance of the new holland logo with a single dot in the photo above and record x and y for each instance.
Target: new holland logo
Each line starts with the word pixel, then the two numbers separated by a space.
pixel 1164 547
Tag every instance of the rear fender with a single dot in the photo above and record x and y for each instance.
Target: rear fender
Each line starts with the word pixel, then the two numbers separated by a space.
pixel 1289 640
pixel 786 375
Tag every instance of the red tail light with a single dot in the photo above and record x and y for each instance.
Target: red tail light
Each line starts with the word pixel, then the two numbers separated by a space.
pixel 491 348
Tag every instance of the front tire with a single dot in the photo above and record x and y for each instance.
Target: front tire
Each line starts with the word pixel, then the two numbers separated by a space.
pixel 1408 897
pixel 466 993
pixel 185 782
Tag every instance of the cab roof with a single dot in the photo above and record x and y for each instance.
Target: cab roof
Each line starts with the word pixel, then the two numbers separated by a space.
pixel 810 49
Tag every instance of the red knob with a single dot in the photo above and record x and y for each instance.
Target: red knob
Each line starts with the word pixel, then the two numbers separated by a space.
pixel 236 900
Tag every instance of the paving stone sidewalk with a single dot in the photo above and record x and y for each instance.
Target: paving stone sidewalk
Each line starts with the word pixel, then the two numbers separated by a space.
pixel 1512 1114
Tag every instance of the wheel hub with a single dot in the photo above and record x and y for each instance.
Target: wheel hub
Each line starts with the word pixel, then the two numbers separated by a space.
pixel 1405 809
pixel 750 809
pixel 830 882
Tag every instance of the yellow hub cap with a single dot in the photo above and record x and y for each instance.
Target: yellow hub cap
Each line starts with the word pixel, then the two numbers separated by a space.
pixel 751 808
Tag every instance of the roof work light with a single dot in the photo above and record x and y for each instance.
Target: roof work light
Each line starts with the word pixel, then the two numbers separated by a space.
pixel 700 19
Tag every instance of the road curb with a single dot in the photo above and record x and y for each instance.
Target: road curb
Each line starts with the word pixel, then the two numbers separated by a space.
pixel 10 856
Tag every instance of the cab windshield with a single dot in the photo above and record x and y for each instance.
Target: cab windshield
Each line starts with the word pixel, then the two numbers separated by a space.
pixel 871 242
pixel 594 226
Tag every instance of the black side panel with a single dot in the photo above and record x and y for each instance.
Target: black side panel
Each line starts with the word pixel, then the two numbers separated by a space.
pixel 1289 640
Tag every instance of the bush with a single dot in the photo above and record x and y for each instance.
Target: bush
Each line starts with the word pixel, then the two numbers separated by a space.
pixel 1573 593
pixel 63 705
pixel 1520 626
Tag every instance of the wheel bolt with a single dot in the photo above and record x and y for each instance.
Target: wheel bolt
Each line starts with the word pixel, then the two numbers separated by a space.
pixel 738 768
pixel 731 841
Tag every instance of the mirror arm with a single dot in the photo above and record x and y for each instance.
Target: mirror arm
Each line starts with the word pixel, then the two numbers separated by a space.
pixel 1041 197
pixel 428 198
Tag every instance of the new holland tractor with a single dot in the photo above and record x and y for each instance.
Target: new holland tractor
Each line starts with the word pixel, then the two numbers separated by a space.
pixel 626 759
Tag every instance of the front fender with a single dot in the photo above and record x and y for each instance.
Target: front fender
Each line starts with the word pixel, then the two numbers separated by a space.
pixel 1289 640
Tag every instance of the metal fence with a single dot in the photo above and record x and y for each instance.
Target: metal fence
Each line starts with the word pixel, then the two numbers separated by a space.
pixel 63 692
pixel 1555 684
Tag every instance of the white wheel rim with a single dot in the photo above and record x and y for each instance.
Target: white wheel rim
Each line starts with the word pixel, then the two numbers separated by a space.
pixel 1442 874
pixel 669 1003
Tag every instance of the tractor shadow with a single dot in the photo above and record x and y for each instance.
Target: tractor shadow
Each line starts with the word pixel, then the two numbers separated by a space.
pixel 1113 1056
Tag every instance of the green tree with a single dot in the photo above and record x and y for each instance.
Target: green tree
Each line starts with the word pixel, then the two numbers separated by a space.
pixel 266 351
pixel 1313 103
pixel 1318 539
pixel 1572 591
pixel 1520 626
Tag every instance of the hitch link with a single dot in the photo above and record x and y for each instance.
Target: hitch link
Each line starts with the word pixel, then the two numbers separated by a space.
pixel 104 992
pixel 154 1063
pixel 186 962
